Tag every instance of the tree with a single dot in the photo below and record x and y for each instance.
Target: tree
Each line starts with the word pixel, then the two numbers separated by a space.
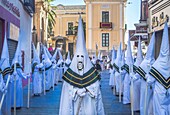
pixel 51 18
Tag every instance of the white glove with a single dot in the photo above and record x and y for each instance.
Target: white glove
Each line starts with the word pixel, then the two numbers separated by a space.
pixel 81 92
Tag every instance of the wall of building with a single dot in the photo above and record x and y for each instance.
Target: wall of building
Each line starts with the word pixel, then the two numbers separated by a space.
pixel 17 26
pixel 156 23
pixel 40 21
pixel 94 17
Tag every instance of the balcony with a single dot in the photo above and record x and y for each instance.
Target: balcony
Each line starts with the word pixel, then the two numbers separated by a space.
pixel 70 33
pixel 30 5
pixel 106 25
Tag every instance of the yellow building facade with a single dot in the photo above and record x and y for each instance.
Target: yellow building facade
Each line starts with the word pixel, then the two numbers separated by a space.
pixel 65 33
pixel 104 25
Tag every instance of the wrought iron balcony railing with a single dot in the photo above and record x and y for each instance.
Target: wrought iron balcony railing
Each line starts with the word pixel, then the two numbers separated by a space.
pixel 106 25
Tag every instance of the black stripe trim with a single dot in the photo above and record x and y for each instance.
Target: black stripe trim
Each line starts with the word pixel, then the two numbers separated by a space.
pixel 126 67
pixel 67 65
pixel 6 71
pixel 116 67
pixel 123 67
pixel 141 72
pixel 159 77
pixel 135 69
pixel 81 81
pixel 42 69
pixel 17 66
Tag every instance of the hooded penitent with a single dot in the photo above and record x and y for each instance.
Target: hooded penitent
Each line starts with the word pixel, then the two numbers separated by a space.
pixel 18 61
pixel 48 53
pixel 117 62
pixel 68 60
pixel 137 82
pixel 143 69
pixel 81 72
pixel 112 71
pixel 60 61
pixel 113 55
pixel 139 57
pixel 129 58
pixel 47 61
pixel 54 57
pixel 36 59
pixel 5 67
pixel 149 58
pixel 17 58
pixel 161 68
pixel 159 77
pixel 126 82
pixel 81 89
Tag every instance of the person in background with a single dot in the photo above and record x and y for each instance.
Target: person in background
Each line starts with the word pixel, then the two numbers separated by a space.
pixel 97 66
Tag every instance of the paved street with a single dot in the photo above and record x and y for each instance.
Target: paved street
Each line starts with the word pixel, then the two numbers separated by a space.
pixel 49 104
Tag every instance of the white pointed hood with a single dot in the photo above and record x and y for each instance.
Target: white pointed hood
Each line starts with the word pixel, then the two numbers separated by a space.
pixel 46 58
pixel 55 55
pixel 38 49
pixel 123 58
pixel 48 53
pixel 98 57
pixel 162 63
pixel 81 66
pixel 60 58
pixel 68 60
pixel 139 57
pixel 117 62
pixel 5 55
pixel 36 58
pixel 81 50
pixel 119 55
pixel 113 55
pixel 129 58
pixel 149 58
pixel 18 58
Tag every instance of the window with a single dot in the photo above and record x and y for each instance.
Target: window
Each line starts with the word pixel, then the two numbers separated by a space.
pixel 105 16
pixel 105 39
pixel 70 28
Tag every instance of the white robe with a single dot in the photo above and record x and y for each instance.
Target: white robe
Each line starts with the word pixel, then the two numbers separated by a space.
pixel 112 79
pixel 136 93
pixel 89 105
pixel 126 89
pixel 60 73
pixel 48 82
pixel 54 74
pixel 19 90
pixel 2 85
pixel 160 94
pixel 149 103
pixel 37 81
pixel 6 106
